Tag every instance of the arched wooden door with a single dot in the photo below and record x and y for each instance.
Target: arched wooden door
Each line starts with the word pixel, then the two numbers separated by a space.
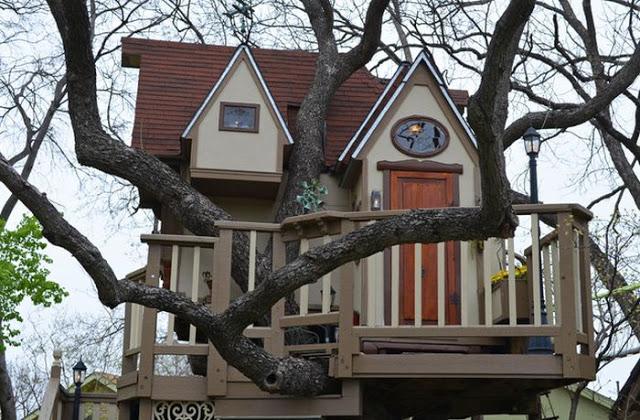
pixel 410 190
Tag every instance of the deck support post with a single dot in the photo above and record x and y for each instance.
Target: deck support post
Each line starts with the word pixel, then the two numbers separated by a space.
pixel 148 333
pixel 277 311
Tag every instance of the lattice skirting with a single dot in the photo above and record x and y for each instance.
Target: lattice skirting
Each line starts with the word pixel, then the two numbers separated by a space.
pixel 183 410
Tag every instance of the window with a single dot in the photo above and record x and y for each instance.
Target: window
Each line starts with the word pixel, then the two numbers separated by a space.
pixel 239 117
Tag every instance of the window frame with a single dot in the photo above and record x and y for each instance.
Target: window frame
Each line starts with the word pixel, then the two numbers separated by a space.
pixel 256 121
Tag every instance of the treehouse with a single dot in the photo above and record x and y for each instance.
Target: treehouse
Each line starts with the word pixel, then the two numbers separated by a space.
pixel 450 329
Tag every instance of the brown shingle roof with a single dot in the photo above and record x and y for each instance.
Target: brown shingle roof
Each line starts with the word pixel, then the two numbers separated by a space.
pixel 175 78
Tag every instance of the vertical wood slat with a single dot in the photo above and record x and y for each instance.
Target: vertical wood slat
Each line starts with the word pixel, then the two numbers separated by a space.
pixel 576 279
pixel 585 264
pixel 347 345
pixel 173 286
pixel 535 269
pixel 513 315
pixel 464 279
pixel 195 281
pixel 304 290
pixel 252 260
pixel 220 294
pixel 486 282
pixel 566 342
pixel 395 285
pixel 555 273
pixel 148 327
pixel 417 292
pixel 278 310
pixel 548 284
pixel 326 284
pixel 442 270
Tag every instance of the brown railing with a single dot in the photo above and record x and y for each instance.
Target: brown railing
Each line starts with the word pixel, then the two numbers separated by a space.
pixel 363 302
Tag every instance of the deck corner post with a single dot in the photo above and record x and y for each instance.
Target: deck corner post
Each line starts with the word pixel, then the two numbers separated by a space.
pixel 567 339
pixel 221 292
pixel 346 341
pixel 149 318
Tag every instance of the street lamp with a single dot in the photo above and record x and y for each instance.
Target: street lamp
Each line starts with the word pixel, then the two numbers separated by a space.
pixel 79 371
pixel 532 141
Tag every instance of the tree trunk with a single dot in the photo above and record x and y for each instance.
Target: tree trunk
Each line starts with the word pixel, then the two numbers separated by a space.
pixel 7 400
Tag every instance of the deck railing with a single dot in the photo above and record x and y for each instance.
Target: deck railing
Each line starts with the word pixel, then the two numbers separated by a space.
pixel 364 300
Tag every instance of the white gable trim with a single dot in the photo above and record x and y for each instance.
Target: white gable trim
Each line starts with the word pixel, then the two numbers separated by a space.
pixel 372 111
pixel 216 87
pixel 422 58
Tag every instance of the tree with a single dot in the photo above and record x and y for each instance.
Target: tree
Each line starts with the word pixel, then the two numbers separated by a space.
pixel 488 111
pixel 22 274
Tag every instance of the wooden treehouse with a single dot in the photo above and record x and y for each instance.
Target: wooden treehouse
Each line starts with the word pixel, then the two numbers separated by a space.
pixel 439 329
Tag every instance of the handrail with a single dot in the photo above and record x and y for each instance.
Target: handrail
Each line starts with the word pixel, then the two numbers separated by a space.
pixel 184 240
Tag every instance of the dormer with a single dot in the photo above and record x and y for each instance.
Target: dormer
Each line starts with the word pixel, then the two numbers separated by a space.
pixel 238 134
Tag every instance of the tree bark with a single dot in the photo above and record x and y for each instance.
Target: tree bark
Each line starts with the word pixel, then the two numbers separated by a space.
pixel 7 399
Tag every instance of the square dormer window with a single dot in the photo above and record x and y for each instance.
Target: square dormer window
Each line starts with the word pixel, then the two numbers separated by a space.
pixel 239 117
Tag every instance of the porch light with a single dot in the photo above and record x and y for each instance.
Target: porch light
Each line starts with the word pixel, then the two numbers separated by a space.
pixel 376 200
pixel 79 371
pixel 531 142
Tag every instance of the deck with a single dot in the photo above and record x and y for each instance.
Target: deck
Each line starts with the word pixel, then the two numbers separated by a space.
pixel 358 318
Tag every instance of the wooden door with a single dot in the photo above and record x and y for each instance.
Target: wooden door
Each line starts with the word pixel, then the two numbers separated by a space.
pixel 410 190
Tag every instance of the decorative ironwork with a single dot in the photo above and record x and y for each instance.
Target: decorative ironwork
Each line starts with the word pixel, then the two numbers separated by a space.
pixel 183 410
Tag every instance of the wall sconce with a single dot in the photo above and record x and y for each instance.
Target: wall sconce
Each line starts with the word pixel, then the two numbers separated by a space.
pixel 376 200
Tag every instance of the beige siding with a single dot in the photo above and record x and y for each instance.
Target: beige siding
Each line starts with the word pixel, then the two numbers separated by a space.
pixel 238 151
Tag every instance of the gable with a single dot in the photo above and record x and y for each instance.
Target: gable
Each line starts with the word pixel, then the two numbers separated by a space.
pixel 215 147
pixel 422 72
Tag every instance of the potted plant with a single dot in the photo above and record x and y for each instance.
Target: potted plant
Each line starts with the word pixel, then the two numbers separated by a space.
pixel 500 295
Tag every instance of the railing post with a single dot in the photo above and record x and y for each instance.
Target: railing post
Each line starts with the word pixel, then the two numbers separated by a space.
pixel 221 291
pixel 567 340
pixel 346 344
pixel 148 333
pixel 277 311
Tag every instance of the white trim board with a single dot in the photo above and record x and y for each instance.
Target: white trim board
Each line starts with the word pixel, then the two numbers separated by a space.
pixel 216 87
pixel 422 58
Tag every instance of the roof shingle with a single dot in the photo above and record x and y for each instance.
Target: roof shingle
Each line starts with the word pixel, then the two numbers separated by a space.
pixel 175 78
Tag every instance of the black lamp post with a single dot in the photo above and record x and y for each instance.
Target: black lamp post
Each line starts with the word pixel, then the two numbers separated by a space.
pixel 79 371
pixel 532 141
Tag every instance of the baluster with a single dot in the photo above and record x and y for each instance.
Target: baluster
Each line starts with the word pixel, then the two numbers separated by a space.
pixel 535 269
pixel 513 315
pixel 576 279
pixel 464 292
pixel 417 274
pixel 486 281
pixel 395 285
pixel 195 277
pixel 326 285
pixel 251 280
pixel 304 290
pixel 442 270
pixel 555 272
pixel 173 286
pixel 548 289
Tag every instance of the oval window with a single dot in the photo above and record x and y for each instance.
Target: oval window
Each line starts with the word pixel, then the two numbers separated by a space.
pixel 419 136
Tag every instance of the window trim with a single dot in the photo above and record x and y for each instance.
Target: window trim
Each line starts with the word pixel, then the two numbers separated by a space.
pixel 256 121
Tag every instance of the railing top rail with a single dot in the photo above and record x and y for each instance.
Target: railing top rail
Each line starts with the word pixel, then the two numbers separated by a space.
pixel 260 227
pixel 183 240
pixel 576 209
pixel 521 209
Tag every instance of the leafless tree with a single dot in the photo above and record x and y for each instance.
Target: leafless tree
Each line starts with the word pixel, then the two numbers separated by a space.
pixel 488 111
